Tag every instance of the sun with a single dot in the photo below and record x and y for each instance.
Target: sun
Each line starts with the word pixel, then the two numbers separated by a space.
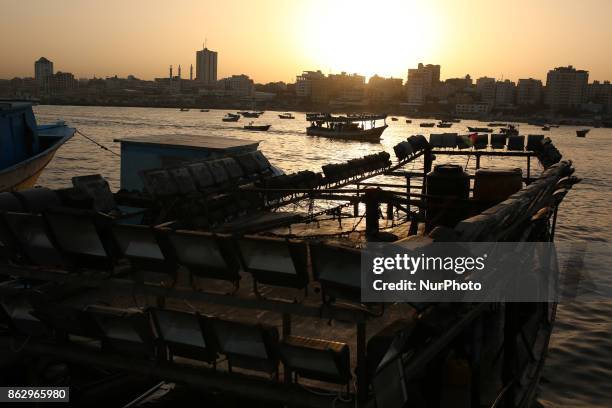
pixel 381 37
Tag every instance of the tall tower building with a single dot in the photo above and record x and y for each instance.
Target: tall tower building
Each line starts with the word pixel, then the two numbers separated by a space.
pixel 43 69
pixel 206 66
pixel 566 87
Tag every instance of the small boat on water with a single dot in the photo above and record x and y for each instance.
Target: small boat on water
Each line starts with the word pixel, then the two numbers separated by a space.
pixel 582 132
pixel 394 119
pixel 251 114
pixel 350 127
pixel 497 124
pixel 408 121
pixel 480 129
pixel 184 110
pixel 546 128
pixel 286 115
pixel 427 124
pixel 260 128
pixel 231 117
pixel 204 110
pixel 27 148
pixel 444 124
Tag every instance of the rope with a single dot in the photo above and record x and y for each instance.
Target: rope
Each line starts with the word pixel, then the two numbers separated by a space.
pixel 101 146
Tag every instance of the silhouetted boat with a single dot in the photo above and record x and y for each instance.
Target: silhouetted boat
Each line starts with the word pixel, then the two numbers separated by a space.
pixel 582 132
pixel 184 110
pixel 251 114
pixel 427 124
pixel 546 128
pixel 26 147
pixel 231 117
pixel 444 124
pixel 408 121
pixel 351 127
pixel 204 110
pixel 286 115
pixel 479 129
pixel 261 128
pixel 394 119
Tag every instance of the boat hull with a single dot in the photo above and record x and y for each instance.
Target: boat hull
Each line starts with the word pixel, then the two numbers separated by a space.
pixel 373 134
pixel 258 128
pixel 24 175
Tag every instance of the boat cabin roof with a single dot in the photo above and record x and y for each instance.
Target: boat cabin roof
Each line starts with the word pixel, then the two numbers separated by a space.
pixel 7 104
pixel 345 119
pixel 197 142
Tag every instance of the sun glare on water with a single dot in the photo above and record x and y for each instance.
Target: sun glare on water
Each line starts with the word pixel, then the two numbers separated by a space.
pixel 382 37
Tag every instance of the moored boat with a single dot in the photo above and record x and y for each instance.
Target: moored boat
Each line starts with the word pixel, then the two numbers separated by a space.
pixel 286 115
pixel 444 124
pixel 351 127
pixel 408 120
pixel 394 119
pixel 479 129
pixel 582 132
pixel 251 114
pixel 231 117
pixel 27 148
pixel 204 110
pixel 184 110
pixel 261 128
pixel 427 124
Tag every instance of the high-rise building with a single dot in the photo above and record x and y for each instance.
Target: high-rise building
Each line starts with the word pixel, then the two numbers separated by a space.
pixel 206 66
pixel 504 93
pixel 43 69
pixel 306 82
pixel 485 87
pixel 237 85
pixel 529 92
pixel 566 87
pixel 601 93
pixel 381 89
pixel 420 82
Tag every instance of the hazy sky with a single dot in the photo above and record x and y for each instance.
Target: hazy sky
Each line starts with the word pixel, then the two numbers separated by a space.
pixel 276 39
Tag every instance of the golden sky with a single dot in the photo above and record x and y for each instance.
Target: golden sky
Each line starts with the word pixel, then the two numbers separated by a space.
pixel 273 40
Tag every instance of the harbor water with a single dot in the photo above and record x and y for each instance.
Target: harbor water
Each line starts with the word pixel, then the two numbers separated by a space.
pixel 578 370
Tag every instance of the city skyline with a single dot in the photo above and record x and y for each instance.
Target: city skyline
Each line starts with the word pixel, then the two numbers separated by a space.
pixel 274 41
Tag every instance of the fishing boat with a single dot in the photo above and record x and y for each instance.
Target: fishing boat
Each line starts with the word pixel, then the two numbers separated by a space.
pixel 261 128
pixel 27 148
pixel 509 130
pixel 427 124
pixel 249 326
pixel 479 129
pixel 444 124
pixel 351 127
pixel 231 117
pixel 582 132
pixel 286 115
pixel 251 114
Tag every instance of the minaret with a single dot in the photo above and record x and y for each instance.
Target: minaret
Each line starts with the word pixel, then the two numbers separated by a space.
pixel 179 71
pixel 191 72
pixel 170 71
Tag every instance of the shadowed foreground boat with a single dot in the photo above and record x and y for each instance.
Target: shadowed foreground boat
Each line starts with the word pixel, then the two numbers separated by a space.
pixel 222 284
pixel 26 148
